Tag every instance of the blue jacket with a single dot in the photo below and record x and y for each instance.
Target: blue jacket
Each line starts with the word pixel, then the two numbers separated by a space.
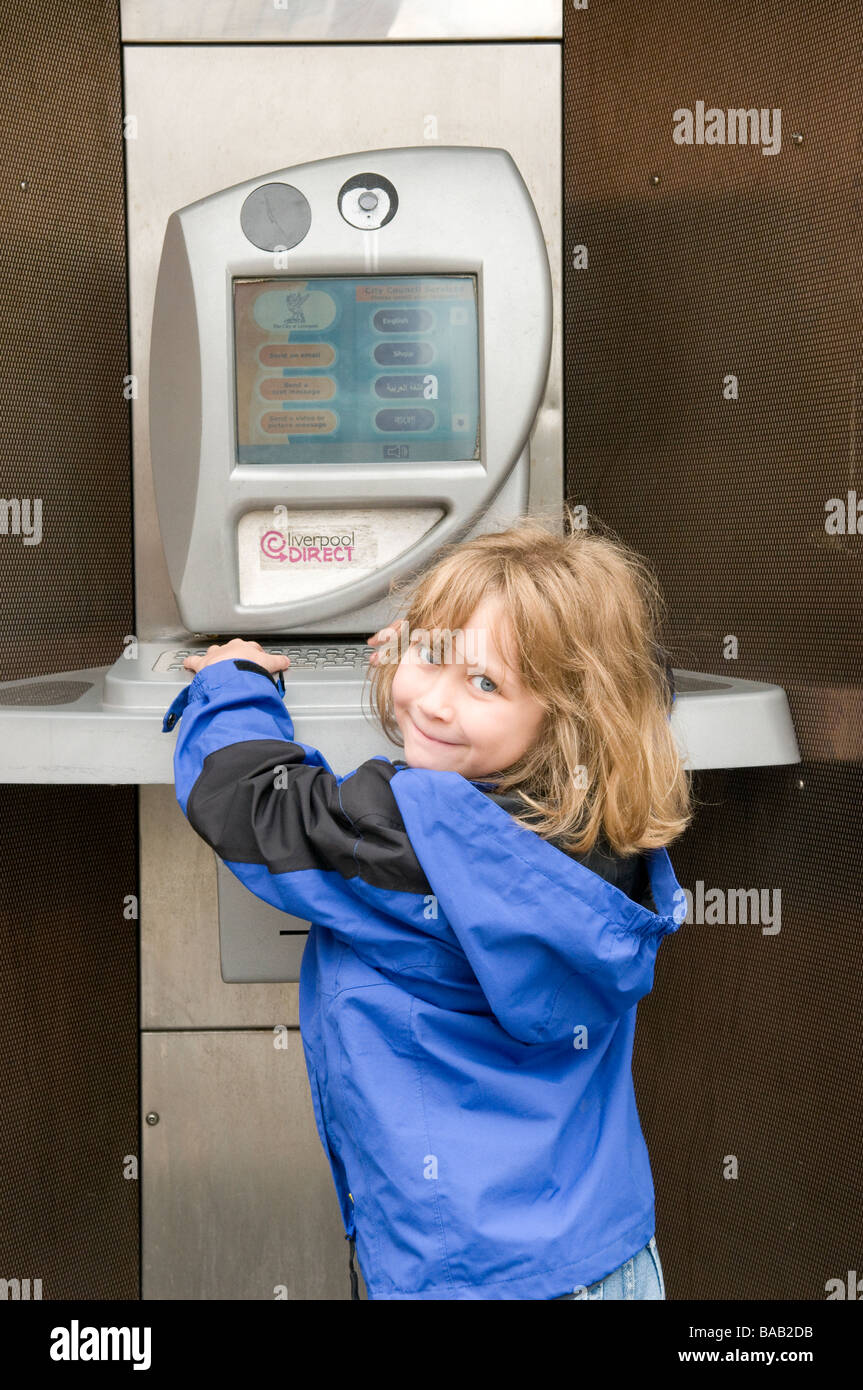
pixel 467 999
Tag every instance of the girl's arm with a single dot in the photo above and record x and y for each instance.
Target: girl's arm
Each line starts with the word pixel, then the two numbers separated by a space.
pixel 296 835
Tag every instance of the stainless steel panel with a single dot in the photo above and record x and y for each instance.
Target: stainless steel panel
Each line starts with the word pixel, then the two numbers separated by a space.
pixel 238 1200
pixel 258 943
pixel 181 982
pixel 196 130
pixel 161 21
pixel 238 1197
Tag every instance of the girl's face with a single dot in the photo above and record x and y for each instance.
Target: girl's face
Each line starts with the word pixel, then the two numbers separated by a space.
pixel 474 717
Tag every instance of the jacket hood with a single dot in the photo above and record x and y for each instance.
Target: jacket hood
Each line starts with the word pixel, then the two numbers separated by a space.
pixel 553 945
pixel 627 872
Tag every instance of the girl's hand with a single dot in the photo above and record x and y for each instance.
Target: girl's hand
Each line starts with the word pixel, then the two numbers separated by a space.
pixel 238 647
pixel 377 639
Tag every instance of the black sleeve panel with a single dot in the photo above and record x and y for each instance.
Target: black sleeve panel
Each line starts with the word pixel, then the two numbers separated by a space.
pixel 257 802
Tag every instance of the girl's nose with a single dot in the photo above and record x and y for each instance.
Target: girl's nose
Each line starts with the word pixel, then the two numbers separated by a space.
pixel 436 712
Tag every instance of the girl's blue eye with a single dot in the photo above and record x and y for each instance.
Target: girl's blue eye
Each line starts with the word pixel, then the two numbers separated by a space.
pixel 424 647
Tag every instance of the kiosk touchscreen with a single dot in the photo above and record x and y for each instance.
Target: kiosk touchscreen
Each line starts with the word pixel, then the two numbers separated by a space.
pixel 357 369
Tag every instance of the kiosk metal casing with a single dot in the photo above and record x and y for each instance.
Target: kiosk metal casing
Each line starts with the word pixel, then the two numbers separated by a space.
pixel 461 214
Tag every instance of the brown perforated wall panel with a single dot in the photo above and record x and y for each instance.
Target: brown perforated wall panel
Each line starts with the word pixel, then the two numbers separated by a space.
pixel 68 864
pixel 706 261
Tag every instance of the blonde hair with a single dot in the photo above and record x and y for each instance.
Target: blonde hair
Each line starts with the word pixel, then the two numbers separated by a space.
pixel 584 613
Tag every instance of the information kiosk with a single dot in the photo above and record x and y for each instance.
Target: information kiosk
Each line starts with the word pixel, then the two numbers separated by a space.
pixel 346 361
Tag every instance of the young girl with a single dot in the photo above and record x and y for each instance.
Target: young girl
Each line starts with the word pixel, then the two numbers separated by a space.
pixel 485 913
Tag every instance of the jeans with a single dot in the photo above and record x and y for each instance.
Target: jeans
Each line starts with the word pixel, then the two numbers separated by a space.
pixel 638 1277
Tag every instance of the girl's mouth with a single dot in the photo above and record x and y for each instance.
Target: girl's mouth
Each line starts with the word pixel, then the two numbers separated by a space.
pixel 441 742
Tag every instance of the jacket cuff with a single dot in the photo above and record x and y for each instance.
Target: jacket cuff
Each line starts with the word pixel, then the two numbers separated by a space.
pixel 222 672
pixel 214 677
pixel 242 664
